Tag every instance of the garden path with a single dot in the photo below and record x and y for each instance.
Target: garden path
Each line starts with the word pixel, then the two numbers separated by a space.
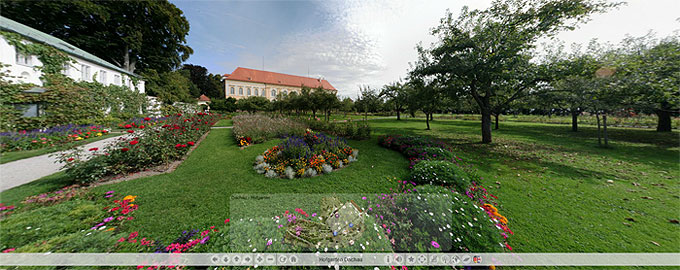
pixel 23 171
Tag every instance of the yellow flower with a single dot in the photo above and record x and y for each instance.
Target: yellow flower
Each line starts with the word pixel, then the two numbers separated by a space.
pixel 79 138
pixel 110 229
pixel 99 134
pixel 132 204
pixel 129 198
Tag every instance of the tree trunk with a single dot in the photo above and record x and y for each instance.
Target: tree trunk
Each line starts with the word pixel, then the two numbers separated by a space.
pixel 427 120
pixel 431 116
pixel 398 115
pixel 574 120
pixel 599 133
pixel 604 130
pixel 664 123
pixel 496 116
pixel 486 126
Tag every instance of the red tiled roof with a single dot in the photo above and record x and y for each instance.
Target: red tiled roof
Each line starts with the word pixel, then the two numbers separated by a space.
pixel 268 77
pixel 203 98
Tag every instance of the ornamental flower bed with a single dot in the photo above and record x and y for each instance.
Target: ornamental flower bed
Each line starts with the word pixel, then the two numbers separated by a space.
pixel 257 128
pixel 146 145
pixel 49 137
pixel 433 163
pixel 313 154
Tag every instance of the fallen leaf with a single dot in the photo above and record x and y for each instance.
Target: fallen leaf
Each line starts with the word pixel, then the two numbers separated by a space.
pixel 655 243
pixel 627 224
pixel 630 219
pixel 675 221
pixel 647 198
pixel 636 184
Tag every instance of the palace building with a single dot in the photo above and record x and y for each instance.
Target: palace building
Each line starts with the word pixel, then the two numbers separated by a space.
pixel 245 82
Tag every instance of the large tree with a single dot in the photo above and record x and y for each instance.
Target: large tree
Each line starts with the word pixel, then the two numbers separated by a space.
pixel 397 96
pixel 206 82
pixel 131 34
pixel 482 50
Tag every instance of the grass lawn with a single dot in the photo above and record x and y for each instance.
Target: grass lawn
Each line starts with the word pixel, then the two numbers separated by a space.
pixel 224 123
pixel 553 183
pixel 17 155
pixel 198 193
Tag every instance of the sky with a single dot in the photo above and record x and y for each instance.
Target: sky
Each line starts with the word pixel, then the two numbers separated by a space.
pixel 353 43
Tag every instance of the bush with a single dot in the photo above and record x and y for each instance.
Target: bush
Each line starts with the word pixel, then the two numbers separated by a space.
pixel 440 172
pixel 356 130
pixel 49 137
pixel 433 219
pixel 261 128
pixel 148 144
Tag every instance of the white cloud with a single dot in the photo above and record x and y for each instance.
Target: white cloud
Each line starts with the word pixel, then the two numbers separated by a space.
pixel 372 43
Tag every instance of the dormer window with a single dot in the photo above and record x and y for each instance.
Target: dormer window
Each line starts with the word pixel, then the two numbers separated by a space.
pixel 23 59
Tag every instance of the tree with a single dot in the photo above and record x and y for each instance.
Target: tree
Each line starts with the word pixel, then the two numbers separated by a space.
pixel 131 34
pixel 650 70
pixel 205 82
pixel 253 104
pixel 169 87
pixel 367 101
pixel 427 95
pixel 346 105
pixel 396 95
pixel 482 50
pixel 224 105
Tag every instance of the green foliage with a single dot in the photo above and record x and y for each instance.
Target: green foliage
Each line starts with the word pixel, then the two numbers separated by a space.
pixel 261 128
pixel 356 130
pixel 132 34
pixel 207 84
pixel 440 172
pixel 169 87
pixel 253 104
pixel 223 105
pixel 52 60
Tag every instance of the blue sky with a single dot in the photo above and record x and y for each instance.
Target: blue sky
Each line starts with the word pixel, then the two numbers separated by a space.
pixel 352 43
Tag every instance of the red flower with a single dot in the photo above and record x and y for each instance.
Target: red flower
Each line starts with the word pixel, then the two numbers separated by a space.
pixel 94 149
pixel 130 131
pixel 178 145
pixel 142 126
pixel 147 118
pixel 191 143
pixel 69 159
pixel 226 221
pixel 134 142
pixel 125 149
pixel 128 126
pixel 179 114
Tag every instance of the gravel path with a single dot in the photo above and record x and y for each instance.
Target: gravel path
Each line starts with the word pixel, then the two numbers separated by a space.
pixel 26 170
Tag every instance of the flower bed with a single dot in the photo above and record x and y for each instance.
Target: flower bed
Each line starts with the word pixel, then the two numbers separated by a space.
pixel 145 145
pixel 49 137
pixel 433 163
pixel 313 154
pixel 257 128
pixel 356 130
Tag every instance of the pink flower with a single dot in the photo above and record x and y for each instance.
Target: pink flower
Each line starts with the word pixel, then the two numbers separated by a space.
pixel 435 244
pixel 226 221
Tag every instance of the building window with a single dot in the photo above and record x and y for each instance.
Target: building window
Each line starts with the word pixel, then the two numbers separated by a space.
pixel 28 110
pixel 274 93
pixel 85 72
pixel 285 92
pixel 116 79
pixel 264 92
pixel 102 77
pixel 249 93
pixel 231 91
pixel 23 59
pixel 257 92
pixel 66 70
pixel 240 91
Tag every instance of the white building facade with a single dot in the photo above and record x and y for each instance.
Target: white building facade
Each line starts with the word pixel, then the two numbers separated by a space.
pixel 84 66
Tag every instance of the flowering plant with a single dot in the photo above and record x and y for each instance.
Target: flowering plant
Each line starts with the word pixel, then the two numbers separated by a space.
pixel 244 141
pixel 306 156
pixel 48 137
pixel 55 197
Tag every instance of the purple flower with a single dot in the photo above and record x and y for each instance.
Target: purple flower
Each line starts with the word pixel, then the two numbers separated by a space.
pixel 205 239
pixel 435 244
pixel 108 219
pixel 110 191
pixel 269 243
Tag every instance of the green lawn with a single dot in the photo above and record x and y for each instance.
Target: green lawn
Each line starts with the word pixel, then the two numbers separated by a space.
pixel 551 183
pixel 17 155
pixel 224 123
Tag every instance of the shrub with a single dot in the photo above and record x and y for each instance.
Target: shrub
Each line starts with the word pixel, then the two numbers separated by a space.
pixel 356 130
pixel 433 219
pixel 440 172
pixel 144 146
pixel 261 127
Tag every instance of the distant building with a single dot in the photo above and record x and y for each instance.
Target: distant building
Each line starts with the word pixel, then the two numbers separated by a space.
pixel 87 67
pixel 245 82
pixel 203 100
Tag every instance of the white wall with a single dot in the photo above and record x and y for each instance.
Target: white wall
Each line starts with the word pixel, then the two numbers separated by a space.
pixel 29 74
